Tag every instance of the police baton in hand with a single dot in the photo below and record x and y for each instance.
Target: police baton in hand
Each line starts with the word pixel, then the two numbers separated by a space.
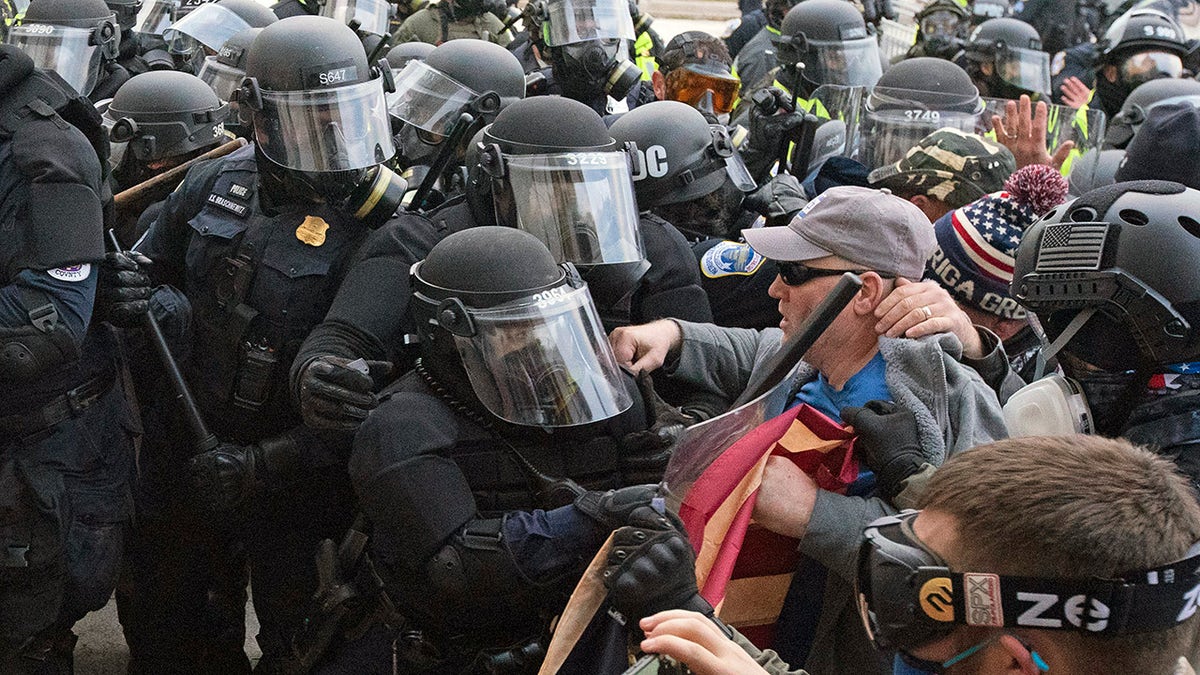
pixel 204 439
pixel 135 199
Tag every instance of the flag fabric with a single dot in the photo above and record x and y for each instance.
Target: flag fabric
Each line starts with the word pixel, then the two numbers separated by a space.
pixel 741 569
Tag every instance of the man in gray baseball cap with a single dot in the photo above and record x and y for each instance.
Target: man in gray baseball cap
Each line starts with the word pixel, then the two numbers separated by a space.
pixel 935 406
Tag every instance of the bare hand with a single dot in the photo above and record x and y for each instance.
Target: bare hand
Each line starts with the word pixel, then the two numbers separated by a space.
pixel 1023 131
pixel 646 347
pixel 1075 94
pixel 918 308
pixel 693 640
pixel 785 499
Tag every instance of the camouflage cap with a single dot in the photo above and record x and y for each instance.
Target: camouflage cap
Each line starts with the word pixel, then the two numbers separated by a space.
pixel 949 165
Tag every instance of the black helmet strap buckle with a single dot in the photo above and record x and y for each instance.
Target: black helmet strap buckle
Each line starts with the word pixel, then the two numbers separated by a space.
pixel 382 69
pixel 249 95
pixel 485 104
pixel 637 162
pixel 491 159
pixel 123 130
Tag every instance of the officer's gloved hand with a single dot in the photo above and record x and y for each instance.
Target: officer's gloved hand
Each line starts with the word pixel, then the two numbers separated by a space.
pixel 669 421
pixel 771 117
pixel 226 477
pixel 617 508
pixel 338 396
pixel 777 199
pixel 124 290
pixel 889 443
pixel 652 569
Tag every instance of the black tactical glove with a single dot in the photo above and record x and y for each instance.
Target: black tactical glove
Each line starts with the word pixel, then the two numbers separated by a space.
pixel 888 442
pixel 124 290
pixel 617 508
pixel 336 396
pixel 228 476
pixel 652 568
pixel 669 421
pixel 777 199
pixel 771 118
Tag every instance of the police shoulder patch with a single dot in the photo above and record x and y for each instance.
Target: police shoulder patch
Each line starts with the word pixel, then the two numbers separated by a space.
pixel 730 258
pixel 72 273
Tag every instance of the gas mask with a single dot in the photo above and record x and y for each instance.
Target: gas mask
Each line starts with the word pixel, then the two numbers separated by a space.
pixel 589 67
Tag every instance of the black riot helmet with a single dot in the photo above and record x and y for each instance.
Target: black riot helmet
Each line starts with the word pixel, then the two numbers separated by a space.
pixel 1140 46
pixel 126 12
pixel 942 28
pixel 211 24
pixel 159 116
pixel 225 70
pixel 826 42
pixel 587 44
pixel 1006 60
pixel 494 307
pixel 318 110
pixel 369 17
pixel 984 10
pixel 401 54
pixel 1114 275
pixel 74 38
pixel 1137 106
pixel 683 156
pixel 914 98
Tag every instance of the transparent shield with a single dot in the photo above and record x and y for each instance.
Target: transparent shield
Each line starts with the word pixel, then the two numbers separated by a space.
pixel 1027 69
pixel 1085 127
pixel 893 120
pixel 210 25
pixel 63 49
pixel 571 21
pixel 155 17
pixel 427 99
pixel 851 63
pixel 836 136
pixel 581 205
pixel 372 15
pixel 544 361
pixel 327 129
pixel 221 78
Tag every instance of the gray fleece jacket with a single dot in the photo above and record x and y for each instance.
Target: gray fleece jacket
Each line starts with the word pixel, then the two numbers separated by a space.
pixel 955 410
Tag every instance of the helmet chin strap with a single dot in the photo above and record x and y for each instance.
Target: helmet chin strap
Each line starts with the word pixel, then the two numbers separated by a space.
pixel 1049 350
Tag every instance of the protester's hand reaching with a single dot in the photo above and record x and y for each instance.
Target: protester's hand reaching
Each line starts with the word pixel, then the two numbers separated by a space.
pixel 1023 131
pixel 1075 94
pixel 646 347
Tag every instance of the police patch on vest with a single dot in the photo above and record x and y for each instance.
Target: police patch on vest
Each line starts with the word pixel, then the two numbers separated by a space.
pixel 330 75
pixel 239 191
pixel 73 273
pixel 229 205
pixel 730 258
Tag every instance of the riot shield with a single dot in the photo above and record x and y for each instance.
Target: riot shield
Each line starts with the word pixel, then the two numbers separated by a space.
pixel 1084 126
pixel 892 121
pixel 836 108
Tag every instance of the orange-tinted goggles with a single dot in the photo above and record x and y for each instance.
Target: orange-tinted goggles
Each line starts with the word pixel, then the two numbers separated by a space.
pixel 689 84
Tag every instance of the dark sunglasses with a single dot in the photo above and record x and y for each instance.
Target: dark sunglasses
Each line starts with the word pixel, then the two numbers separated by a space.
pixel 798 274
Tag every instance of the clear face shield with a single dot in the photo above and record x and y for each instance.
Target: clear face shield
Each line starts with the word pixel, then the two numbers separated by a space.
pixel 542 360
pixel 156 17
pixel 76 54
pixel 893 121
pixel 1026 69
pixel 427 99
pixel 222 78
pixel 209 25
pixel 580 204
pixel 322 130
pixel 372 15
pixel 850 62
pixel 1142 67
pixel 571 21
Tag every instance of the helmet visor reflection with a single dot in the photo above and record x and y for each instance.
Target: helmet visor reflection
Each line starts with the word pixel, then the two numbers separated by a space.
pixel 571 21
pixel 221 78
pixel 1145 66
pixel 326 129
pixel 853 63
pixel 155 17
pixel 1027 69
pixel 210 25
pixel 427 99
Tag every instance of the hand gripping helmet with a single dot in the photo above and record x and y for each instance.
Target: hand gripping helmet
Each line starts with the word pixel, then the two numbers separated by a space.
pixel 587 44
pixel 942 26
pixel 211 24
pixel 913 99
pixel 523 328
pixel 160 115
pixel 1113 275
pixel 318 109
pixel 74 38
pixel 1006 60
pixel 1137 106
pixel 369 17
pixel 826 42
pixel 683 156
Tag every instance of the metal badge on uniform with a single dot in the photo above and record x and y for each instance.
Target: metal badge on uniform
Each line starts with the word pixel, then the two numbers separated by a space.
pixel 229 205
pixel 73 273
pixel 730 258
pixel 312 231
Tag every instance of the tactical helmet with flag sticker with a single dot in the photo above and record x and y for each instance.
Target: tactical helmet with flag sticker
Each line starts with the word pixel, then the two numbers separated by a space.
pixel 949 165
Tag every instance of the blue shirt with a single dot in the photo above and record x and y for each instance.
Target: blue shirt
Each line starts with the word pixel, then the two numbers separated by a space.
pixel 866 385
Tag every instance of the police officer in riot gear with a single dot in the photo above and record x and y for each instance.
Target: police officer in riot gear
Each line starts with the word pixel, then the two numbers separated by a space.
pixel 942 28
pixel 1140 46
pixel 755 62
pixel 223 73
pixel 1005 60
pixel 258 242
pixel 586 43
pixel 78 39
pixel 1137 106
pixel 452 20
pixel 461 76
pixel 66 433
pixel 1111 279
pixel 469 470
pixel 205 29
pixel 911 100
pixel 825 42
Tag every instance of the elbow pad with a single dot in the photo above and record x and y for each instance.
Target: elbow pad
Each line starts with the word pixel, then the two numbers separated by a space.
pixel 32 351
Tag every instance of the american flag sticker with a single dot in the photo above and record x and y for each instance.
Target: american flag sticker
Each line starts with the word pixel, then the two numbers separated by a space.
pixel 1072 246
